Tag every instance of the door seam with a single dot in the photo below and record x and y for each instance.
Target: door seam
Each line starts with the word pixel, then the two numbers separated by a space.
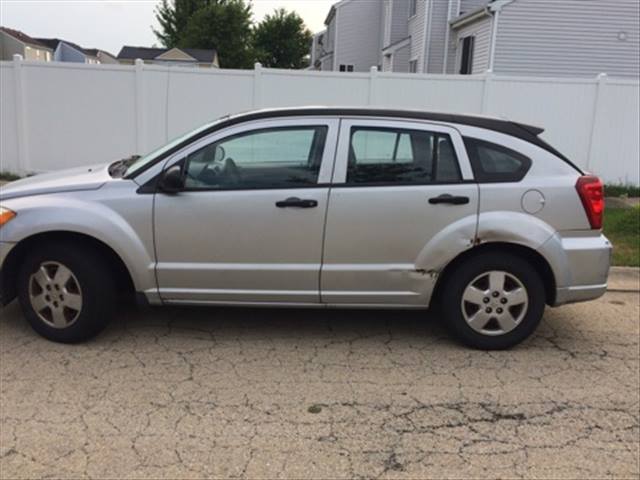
pixel 326 211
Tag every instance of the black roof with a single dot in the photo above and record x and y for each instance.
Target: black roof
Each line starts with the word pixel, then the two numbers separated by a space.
pixel 145 53
pixel 23 37
pixel 522 131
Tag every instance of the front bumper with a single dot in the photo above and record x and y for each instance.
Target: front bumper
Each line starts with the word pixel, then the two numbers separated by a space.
pixel 581 267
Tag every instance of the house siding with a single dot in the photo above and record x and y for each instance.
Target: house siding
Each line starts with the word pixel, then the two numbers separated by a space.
pixel 66 53
pixel 9 46
pixel 398 27
pixel 568 38
pixel 467 6
pixel 358 36
pixel 401 59
pixel 438 33
pixel 416 32
pixel 481 30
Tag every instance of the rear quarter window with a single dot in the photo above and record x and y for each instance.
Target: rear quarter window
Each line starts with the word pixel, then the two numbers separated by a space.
pixel 494 163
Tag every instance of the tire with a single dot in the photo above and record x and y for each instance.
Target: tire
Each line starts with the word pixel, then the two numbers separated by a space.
pixel 511 315
pixel 66 291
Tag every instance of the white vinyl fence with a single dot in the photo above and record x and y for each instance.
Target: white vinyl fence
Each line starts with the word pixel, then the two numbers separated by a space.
pixel 59 115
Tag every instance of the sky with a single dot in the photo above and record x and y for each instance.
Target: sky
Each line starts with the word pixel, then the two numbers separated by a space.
pixel 109 25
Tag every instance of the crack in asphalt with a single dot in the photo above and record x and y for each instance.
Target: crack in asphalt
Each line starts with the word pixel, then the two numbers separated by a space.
pixel 236 393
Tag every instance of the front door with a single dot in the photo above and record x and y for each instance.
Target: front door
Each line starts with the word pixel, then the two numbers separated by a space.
pixel 396 186
pixel 248 228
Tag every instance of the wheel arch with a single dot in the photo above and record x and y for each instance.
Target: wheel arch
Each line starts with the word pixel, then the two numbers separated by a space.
pixel 536 259
pixel 11 266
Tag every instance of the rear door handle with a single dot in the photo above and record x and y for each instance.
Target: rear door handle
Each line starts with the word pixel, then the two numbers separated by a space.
pixel 450 199
pixel 297 202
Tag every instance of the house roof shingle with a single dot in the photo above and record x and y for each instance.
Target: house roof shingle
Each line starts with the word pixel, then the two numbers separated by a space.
pixel 145 53
pixel 23 37
pixel 52 43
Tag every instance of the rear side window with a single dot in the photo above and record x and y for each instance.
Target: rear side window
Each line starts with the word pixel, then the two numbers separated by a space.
pixel 494 163
pixel 389 156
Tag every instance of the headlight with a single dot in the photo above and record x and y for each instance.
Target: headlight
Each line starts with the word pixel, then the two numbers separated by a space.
pixel 6 215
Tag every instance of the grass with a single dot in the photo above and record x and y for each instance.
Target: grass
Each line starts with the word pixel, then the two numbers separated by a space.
pixel 620 190
pixel 622 227
pixel 8 176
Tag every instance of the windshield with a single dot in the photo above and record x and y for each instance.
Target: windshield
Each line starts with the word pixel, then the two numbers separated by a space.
pixel 140 163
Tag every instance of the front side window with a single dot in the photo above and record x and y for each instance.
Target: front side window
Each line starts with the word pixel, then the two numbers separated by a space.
pixel 346 68
pixel 413 66
pixel 494 163
pixel 387 156
pixel 283 157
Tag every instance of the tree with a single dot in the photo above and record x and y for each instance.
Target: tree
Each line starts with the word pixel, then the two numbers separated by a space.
pixel 281 40
pixel 173 17
pixel 223 25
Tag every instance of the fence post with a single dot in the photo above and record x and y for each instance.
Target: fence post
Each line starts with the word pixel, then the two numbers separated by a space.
pixel 373 75
pixel 24 165
pixel 486 91
pixel 140 106
pixel 257 85
pixel 601 82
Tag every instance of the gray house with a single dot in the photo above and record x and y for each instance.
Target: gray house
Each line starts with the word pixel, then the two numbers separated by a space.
pixel 180 57
pixel 519 37
pixel 351 41
pixel 14 42
pixel 65 51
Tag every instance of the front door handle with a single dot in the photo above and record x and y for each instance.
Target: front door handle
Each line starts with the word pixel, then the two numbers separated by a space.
pixel 297 202
pixel 450 199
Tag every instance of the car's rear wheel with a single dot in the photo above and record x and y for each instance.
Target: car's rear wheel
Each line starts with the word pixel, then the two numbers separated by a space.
pixel 67 292
pixel 493 301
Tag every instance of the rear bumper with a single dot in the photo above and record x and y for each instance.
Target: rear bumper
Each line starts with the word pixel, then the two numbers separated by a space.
pixel 581 267
pixel 582 293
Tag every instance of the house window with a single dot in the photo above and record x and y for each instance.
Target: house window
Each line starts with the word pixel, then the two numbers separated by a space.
pixel 466 58
pixel 413 4
pixel 413 66
pixel 346 68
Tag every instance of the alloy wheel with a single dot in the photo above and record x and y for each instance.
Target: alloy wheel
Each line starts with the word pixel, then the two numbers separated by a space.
pixel 55 294
pixel 494 303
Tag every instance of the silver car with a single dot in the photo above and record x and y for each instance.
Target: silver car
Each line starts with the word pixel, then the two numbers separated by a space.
pixel 315 207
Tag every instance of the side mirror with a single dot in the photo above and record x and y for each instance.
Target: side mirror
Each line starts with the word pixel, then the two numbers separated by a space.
pixel 172 180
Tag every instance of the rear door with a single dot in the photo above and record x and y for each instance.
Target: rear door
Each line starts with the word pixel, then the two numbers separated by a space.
pixel 396 185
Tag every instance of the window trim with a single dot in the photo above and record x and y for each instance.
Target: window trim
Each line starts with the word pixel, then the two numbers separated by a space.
pixel 149 178
pixel 339 178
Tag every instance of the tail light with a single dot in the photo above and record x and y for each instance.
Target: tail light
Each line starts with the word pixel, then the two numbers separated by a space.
pixel 591 193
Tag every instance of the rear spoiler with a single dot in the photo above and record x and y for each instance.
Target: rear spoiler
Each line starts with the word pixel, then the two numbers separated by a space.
pixel 535 132
pixel 530 128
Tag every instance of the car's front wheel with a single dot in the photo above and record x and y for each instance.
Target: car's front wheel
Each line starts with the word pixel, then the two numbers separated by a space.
pixel 66 291
pixel 493 301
